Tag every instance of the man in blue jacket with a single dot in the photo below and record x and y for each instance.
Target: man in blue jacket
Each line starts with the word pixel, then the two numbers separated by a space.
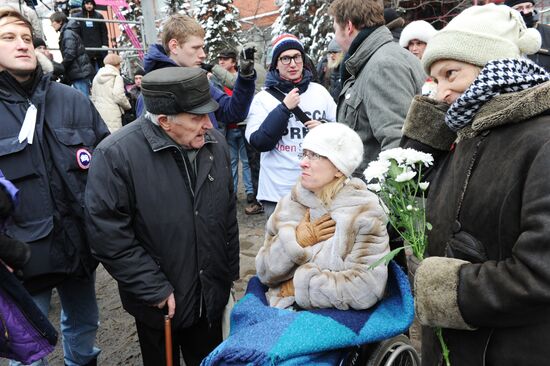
pixel 48 134
pixel 183 45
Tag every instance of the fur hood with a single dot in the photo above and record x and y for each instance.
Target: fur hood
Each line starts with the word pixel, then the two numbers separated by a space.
pixel 106 75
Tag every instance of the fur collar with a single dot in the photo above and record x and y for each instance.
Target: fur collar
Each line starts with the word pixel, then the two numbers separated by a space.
pixel 509 108
pixel 45 63
pixel 425 123
pixel 354 193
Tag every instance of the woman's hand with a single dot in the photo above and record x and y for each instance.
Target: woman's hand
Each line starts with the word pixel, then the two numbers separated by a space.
pixel 292 99
pixel 310 233
pixel 312 123
pixel 287 289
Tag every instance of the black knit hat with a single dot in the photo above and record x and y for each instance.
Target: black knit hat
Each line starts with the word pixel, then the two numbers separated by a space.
pixel 512 3
pixel 37 42
pixel 283 43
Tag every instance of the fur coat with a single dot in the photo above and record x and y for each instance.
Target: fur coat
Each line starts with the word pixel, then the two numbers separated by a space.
pixel 334 273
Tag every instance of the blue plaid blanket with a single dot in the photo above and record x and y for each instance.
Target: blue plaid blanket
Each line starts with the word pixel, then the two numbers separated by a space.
pixel 262 335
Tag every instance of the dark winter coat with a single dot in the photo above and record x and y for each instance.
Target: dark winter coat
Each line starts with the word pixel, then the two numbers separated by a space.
pixel 75 60
pixel 542 57
pixel 50 174
pixel 234 108
pixel 376 97
pixel 94 34
pixel 492 303
pixel 152 235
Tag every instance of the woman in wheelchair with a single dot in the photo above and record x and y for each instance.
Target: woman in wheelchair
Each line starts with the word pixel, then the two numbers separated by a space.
pixel 320 244
pixel 327 231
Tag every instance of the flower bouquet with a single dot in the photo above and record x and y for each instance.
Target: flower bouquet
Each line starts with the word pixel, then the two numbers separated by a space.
pixel 396 177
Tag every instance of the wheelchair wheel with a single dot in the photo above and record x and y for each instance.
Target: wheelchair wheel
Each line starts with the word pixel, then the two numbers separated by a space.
pixel 396 351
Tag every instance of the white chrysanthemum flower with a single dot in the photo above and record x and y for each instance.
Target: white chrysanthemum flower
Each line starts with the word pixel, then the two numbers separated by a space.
pixel 423 185
pixel 377 170
pixel 398 154
pixel 409 207
pixel 375 187
pixel 405 176
pixel 413 156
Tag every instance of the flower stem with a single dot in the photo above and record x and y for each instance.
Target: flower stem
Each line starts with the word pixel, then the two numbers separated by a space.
pixel 444 348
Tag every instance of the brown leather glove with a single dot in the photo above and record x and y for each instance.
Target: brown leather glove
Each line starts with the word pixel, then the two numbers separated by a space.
pixel 310 233
pixel 287 288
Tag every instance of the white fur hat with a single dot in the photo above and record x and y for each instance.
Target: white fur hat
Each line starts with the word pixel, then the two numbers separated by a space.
pixel 339 143
pixel 419 29
pixel 481 34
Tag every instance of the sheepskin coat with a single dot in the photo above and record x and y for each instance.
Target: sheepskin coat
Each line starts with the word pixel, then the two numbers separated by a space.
pixel 334 273
pixel 108 96
pixel 492 292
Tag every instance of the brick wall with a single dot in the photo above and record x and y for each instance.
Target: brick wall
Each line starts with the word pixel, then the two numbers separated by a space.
pixel 251 8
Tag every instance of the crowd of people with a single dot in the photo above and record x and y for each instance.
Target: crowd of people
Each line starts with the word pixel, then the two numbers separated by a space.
pixel 144 180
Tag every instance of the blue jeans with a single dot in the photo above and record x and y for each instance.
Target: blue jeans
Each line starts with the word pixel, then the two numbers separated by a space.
pixel 236 140
pixel 79 320
pixel 82 85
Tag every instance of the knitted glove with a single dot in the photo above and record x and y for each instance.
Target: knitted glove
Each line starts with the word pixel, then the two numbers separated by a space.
pixel 310 233
pixel 246 61
pixel 287 289
pixel 207 67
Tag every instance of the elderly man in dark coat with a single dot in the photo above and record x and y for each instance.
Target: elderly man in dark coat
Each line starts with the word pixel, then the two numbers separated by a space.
pixel 160 197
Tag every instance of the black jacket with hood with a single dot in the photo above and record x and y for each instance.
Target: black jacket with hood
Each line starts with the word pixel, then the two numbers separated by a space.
pixel 75 60
pixel 50 174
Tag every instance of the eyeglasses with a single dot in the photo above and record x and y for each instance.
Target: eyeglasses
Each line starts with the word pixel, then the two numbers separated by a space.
pixel 311 155
pixel 285 60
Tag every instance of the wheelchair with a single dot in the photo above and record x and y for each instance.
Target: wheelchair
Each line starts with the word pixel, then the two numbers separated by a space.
pixel 396 351
pixel 261 334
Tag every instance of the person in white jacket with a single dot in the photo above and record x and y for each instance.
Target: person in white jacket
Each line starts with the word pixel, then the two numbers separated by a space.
pixel 272 126
pixel 108 93
pixel 326 233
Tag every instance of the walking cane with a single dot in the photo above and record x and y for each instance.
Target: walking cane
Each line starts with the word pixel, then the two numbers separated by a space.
pixel 168 340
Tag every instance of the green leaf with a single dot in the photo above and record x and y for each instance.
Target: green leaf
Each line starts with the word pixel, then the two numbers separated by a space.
pixel 428 226
pixel 387 258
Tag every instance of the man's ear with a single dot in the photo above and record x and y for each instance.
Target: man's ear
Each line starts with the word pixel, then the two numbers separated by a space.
pixel 163 122
pixel 172 47
pixel 350 28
